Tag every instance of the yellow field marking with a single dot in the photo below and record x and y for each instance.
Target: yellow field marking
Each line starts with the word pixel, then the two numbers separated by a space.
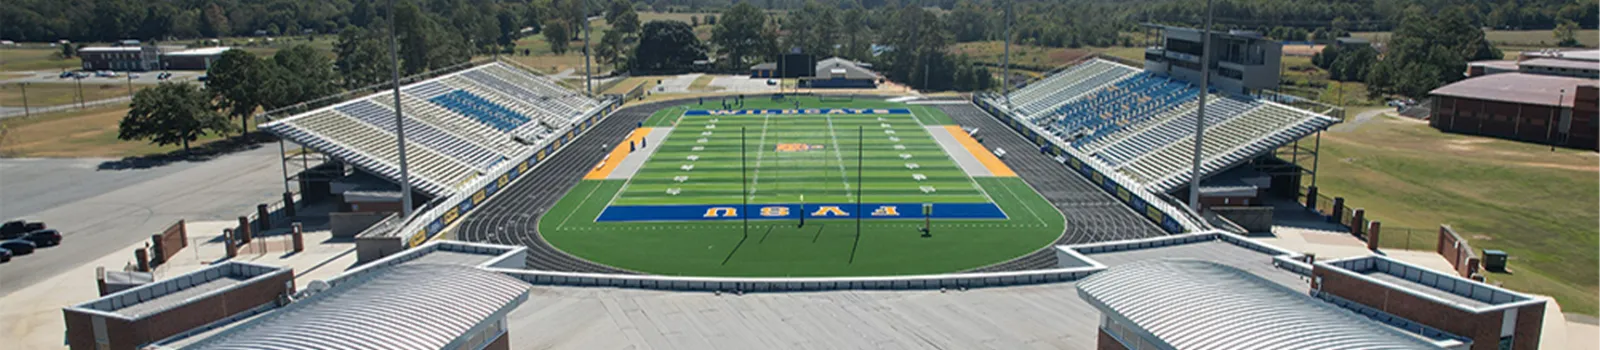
pixel 617 154
pixel 995 166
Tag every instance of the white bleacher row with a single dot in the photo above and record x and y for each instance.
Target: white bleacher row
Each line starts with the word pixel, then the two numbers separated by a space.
pixel 1098 75
pixel 462 126
pixel 1230 141
pixel 1052 83
pixel 543 86
pixel 375 148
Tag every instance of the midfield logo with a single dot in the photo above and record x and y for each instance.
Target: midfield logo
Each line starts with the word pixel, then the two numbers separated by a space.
pixel 796 147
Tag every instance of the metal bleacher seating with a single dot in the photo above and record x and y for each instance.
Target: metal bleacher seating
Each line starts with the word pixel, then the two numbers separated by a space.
pixel 1230 140
pixel 1038 98
pixel 1142 125
pixel 457 127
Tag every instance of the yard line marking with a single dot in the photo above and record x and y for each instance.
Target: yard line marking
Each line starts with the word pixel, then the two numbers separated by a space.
pixel 581 203
pixel 761 149
pixel 629 181
pixel 843 178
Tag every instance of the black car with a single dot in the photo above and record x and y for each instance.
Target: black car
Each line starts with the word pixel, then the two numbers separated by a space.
pixel 5 255
pixel 18 246
pixel 44 238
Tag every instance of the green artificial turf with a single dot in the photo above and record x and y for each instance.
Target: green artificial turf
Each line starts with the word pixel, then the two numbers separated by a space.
pixel 822 247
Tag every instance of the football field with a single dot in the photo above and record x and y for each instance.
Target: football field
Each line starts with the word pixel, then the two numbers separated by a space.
pixel 767 189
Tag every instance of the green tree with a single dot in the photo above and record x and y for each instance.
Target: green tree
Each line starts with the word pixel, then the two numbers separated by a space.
pixel 171 114
pixel 555 33
pixel 1567 34
pixel 742 35
pixel 301 74
pixel 363 58
pixel 214 21
pixel 234 82
pixel 814 29
pixel 1428 51
pixel 667 46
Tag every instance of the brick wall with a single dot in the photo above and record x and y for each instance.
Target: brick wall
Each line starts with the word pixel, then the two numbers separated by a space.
pixel 169 242
pixel 1482 328
pixel 1457 251
pixel 501 343
pixel 1106 342
pixel 131 334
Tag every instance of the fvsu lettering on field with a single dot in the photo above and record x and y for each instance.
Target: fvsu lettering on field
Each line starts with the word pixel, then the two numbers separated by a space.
pixel 627 213
pixel 798 111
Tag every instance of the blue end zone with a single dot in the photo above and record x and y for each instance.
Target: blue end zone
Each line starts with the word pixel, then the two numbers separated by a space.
pixel 628 213
pixel 798 111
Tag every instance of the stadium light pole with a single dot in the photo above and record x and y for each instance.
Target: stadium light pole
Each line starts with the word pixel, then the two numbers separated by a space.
pixel 588 73
pixel 1200 117
pixel 1005 62
pixel 399 117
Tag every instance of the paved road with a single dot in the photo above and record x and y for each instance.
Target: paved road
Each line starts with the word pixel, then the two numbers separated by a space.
pixel 1092 214
pixel 54 77
pixel 100 210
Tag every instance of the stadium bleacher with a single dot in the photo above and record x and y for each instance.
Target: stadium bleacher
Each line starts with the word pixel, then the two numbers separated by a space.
pixel 1142 125
pixel 458 126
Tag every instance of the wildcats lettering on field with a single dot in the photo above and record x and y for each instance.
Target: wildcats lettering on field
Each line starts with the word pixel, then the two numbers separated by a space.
pixel 887 210
pixel 720 212
pixel 829 210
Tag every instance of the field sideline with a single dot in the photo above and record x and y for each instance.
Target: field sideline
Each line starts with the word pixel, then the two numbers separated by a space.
pixel 810 155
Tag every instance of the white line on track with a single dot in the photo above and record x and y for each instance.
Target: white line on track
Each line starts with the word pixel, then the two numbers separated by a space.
pixel 849 196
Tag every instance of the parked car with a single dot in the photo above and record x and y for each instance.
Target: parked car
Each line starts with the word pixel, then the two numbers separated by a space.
pixel 18 246
pixel 44 238
pixel 133 76
pixel 201 78
pixel 16 228
pixel 5 255
pixel 65 75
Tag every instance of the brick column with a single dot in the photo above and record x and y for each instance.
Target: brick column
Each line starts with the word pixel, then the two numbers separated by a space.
pixel 244 230
pixel 142 258
pixel 1338 209
pixel 1373 234
pixel 100 279
pixel 229 243
pixel 288 204
pixel 262 215
pixel 1311 198
pixel 1355 221
pixel 299 238
pixel 160 255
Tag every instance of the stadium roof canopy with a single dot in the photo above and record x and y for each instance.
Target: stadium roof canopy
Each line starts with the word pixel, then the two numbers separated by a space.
pixel 1192 304
pixel 1524 88
pixel 407 306
pixel 204 51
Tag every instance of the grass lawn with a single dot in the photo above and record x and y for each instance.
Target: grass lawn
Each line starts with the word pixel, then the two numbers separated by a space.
pixel 1537 205
pixel 34 59
pixel 88 133
pixel 1021 55
pixel 1513 41
pixel 53 94
pixel 780 173
pixel 649 82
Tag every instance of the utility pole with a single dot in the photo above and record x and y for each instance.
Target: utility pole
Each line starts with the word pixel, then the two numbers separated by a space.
pixel 80 90
pixel 1200 118
pixel 130 84
pixel 1005 62
pixel 399 118
pixel 588 73
pixel 25 113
